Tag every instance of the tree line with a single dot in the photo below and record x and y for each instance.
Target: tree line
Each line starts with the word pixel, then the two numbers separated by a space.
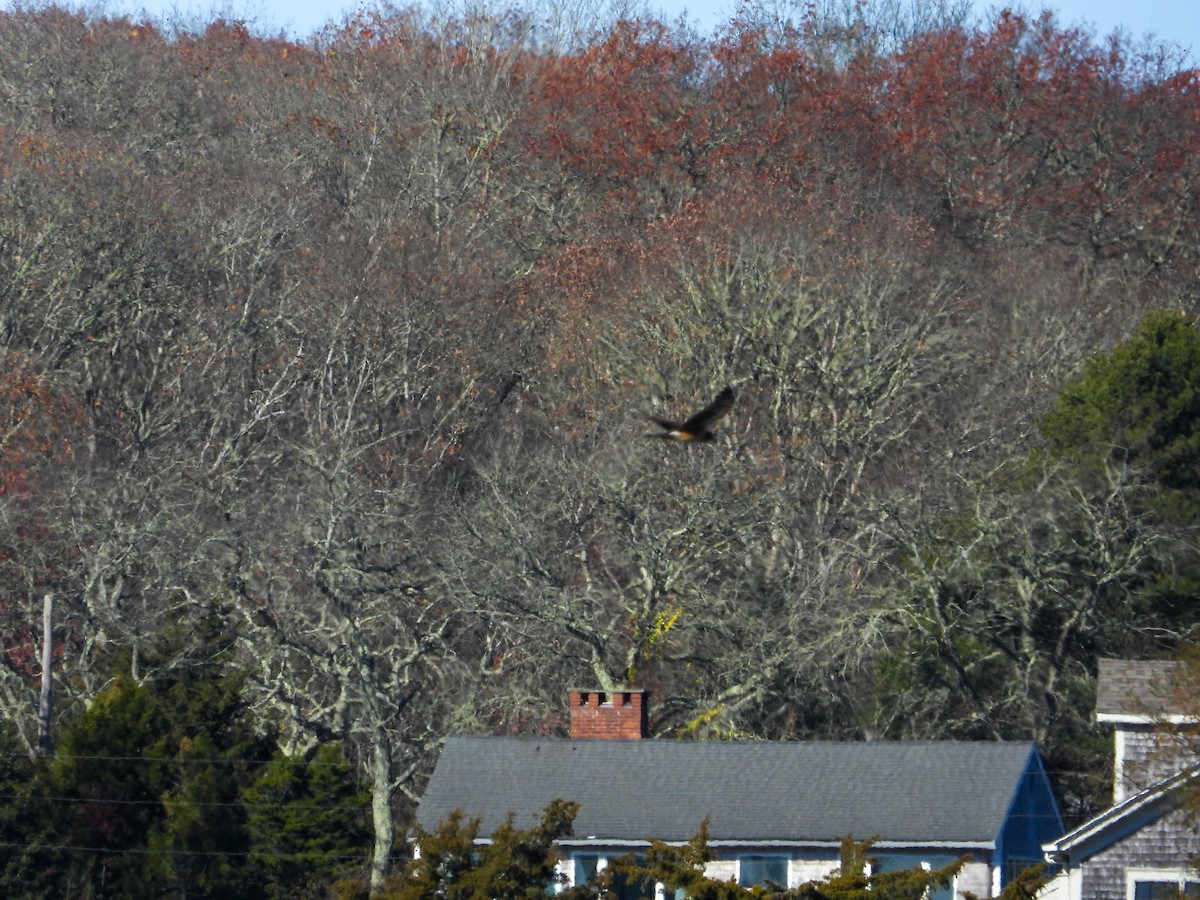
pixel 339 347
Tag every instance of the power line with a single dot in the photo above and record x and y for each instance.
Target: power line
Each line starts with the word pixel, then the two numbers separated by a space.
pixel 146 851
pixel 181 760
pixel 42 798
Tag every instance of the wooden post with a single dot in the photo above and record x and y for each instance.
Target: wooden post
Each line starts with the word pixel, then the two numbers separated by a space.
pixel 45 743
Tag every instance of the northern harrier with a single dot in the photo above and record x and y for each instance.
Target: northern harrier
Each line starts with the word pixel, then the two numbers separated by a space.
pixel 696 427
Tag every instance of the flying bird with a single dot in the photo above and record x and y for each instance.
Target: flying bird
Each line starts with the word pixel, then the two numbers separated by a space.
pixel 696 427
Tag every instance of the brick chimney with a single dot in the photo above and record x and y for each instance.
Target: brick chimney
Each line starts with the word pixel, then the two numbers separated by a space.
pixel 620 715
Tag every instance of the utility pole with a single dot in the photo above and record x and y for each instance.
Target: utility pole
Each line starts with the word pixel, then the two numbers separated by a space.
pixel 45 743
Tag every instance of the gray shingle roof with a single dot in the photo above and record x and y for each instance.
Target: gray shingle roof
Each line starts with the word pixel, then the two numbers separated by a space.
pixel 942 791
pixel 1139 688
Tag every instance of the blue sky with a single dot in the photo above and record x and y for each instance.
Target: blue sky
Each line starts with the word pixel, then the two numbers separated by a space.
pixel 1175 21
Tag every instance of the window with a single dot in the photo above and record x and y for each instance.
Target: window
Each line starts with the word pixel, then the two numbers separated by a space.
pixel 634 890
pixel 1015 866
pixel 585 866
pixel 901 862
pixel 762 870
pixel 1165 890
pixel 1163 884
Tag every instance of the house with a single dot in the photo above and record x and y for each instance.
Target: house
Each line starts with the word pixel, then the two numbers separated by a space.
pixel 1143 846
pixel 776 811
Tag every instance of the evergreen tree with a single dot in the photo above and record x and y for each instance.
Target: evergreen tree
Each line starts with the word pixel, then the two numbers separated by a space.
pixel 19 867
pixel 677 868
pixel 453 864
pixel 201 847
pixel 1138 405
pixel 1025 886
pixel 308 823
pixel 1130 424
pixel 857 877
pixel 98 801
pixel 516 864
pixel 161 789
pixel 202 844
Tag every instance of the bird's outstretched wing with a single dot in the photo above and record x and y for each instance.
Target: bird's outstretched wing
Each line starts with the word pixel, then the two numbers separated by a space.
pixel 696 426
pixel 711 414
pixel 667 424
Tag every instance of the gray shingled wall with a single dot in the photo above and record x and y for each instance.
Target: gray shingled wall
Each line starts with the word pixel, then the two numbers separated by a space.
pixel 1167 844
